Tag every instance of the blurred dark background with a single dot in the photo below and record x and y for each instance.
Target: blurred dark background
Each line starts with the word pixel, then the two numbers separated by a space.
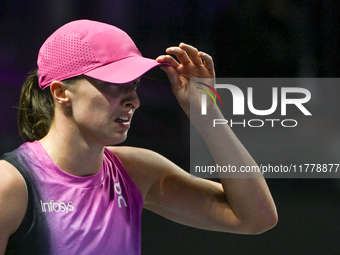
pixel 248 38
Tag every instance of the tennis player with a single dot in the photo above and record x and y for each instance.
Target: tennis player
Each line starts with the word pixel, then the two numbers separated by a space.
pixel 69 190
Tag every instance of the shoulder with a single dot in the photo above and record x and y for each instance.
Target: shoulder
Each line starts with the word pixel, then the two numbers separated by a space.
pixel 140 156
pixel 13 200
pixel 143 159
pixel 144 166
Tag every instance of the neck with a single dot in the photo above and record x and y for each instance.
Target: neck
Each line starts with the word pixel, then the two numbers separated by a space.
pixel 71 153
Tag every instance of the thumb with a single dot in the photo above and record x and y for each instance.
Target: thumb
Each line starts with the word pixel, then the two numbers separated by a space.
pixel 172 75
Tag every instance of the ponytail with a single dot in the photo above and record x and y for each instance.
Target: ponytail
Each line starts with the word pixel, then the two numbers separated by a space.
pixel 36 109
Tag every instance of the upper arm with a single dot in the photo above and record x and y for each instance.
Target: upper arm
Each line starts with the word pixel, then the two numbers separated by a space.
pixel 173 193
pixel 13 202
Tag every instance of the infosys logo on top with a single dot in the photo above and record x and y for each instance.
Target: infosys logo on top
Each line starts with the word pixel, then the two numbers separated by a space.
pixel 56 206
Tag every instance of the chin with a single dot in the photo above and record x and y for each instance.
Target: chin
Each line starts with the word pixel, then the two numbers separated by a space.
pixel 116 140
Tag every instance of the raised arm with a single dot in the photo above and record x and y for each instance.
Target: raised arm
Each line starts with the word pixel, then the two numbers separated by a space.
pixel 248 197
pixel 241 205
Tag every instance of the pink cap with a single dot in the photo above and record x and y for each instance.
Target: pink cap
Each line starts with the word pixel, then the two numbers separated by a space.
pixel 92 48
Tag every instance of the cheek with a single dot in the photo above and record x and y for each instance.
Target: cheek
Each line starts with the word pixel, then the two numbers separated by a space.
pixel 95 110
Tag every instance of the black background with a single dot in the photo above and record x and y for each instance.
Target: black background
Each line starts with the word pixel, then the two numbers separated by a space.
pixel 248 38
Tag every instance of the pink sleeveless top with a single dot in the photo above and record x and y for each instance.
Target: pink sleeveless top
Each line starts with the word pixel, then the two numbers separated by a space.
pixel 98 214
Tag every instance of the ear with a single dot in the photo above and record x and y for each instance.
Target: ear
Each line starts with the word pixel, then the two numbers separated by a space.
pixel 60 93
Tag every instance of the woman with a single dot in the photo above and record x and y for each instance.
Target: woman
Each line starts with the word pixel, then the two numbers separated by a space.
pixel 66 191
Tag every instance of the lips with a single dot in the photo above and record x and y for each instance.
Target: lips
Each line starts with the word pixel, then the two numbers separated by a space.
pixel 123 119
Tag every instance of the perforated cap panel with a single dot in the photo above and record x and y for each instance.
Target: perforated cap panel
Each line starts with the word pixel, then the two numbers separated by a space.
pixel 66 55
pixel 93 48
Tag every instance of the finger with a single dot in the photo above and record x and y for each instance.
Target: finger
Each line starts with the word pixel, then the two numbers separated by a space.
pixel 167 59
pixel 193 53
pixel 208 61
pixel 181 55
pixel 172 74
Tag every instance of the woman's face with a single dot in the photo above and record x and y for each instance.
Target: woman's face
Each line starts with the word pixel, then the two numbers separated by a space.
pixel 102 111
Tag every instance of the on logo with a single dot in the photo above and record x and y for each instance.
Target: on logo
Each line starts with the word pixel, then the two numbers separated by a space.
pixel 118 190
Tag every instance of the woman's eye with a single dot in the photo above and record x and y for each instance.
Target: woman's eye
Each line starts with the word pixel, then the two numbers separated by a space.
pixel 110 88
pixel 136 83
pixel 115 87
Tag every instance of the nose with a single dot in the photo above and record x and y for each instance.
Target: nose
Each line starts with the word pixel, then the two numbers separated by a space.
pixel 130 99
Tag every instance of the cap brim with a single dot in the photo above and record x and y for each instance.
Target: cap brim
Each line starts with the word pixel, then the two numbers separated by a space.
pixel 156 74
pixel 125 70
